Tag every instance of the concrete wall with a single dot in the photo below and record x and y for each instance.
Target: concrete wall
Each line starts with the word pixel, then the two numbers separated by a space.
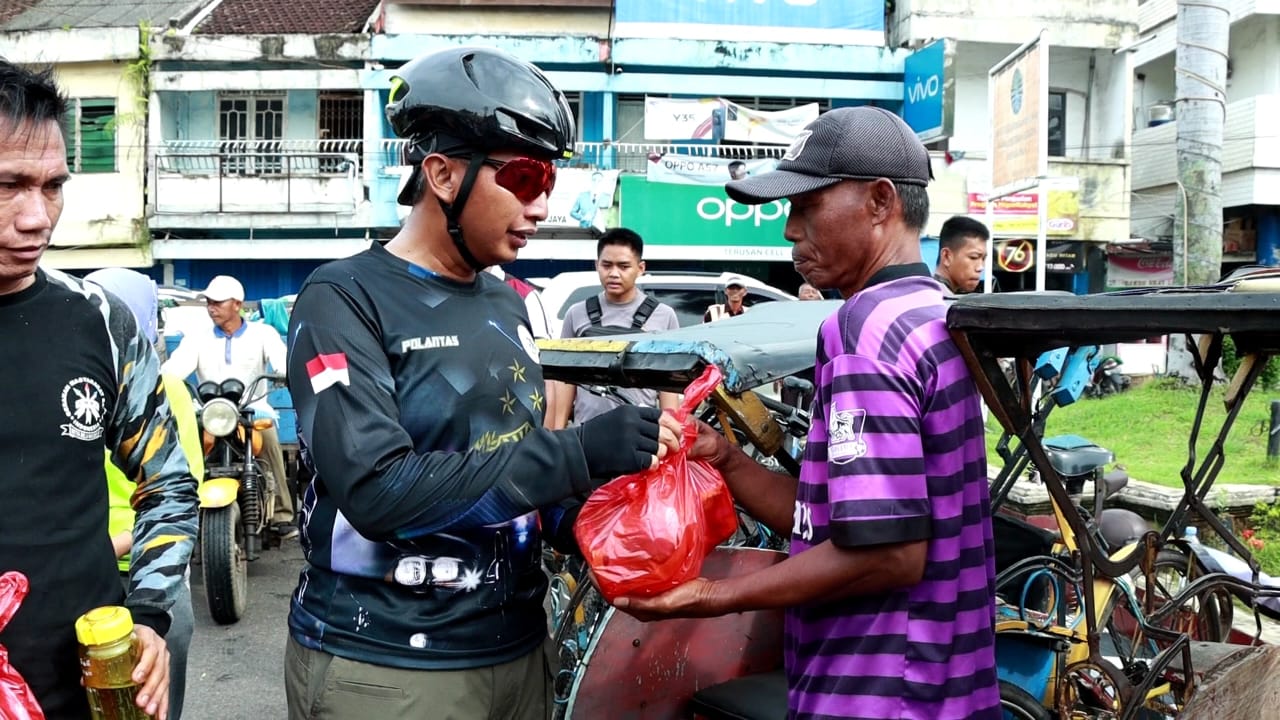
pixel 1251 148
pixel 1071 23
pixel 104 209
pixel 1068 70
pixel 1103 193
pixel 1254 51
pixel 405 19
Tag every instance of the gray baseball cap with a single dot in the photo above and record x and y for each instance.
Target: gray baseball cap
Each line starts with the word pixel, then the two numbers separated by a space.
pixel 854 143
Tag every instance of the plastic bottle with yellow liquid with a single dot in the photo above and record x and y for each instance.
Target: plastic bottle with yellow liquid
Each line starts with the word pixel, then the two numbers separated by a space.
pixel 108 655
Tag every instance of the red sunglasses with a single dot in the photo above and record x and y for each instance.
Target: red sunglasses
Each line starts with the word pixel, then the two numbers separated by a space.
pixel 524 177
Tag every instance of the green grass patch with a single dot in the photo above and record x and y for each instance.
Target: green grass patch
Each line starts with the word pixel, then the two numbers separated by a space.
pixel 1147 429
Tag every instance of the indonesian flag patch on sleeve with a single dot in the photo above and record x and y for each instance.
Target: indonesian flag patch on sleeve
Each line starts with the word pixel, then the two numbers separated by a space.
pixel 326 371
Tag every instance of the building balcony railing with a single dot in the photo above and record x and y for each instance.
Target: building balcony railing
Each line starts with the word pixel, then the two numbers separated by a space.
pixel 256 182
pixel 1156 13
pixel 259 157
pixel 627 157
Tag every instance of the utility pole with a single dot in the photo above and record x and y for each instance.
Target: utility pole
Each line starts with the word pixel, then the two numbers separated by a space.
pixel 1203 29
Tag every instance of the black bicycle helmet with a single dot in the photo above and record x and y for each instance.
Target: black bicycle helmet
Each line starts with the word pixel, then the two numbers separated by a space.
pixel 471 101
pixel 483 98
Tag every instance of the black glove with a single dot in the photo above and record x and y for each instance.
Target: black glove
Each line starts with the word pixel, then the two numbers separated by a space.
pixel 621 441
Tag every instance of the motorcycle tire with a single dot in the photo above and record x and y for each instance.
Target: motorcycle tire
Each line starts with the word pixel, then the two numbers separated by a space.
pixel 224 563
pixel 1018 704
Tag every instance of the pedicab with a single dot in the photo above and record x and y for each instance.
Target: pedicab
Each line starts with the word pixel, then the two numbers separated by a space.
pixel 611 665
pixel 1064 653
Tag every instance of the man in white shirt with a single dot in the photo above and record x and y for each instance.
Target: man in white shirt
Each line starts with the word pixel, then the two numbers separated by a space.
pixel 735 290
pixel 242 350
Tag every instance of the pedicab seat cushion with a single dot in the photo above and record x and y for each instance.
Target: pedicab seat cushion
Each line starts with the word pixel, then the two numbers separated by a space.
pixel 753 697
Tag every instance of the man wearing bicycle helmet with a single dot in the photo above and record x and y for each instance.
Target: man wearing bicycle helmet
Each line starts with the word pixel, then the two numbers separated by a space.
pixel 420 409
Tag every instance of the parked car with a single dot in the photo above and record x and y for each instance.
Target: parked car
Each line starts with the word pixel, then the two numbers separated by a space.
pixel 688 293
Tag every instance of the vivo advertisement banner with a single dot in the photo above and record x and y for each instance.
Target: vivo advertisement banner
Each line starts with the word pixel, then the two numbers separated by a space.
pixel 929 92
pixel 682 221
pixel 855 22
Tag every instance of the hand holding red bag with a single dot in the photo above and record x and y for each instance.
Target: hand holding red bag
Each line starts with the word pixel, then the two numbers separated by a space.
pixel 16 699
pixel 646 533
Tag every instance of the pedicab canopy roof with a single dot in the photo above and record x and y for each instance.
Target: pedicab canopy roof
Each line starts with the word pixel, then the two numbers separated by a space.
pixel 769 342
pixel 1027 324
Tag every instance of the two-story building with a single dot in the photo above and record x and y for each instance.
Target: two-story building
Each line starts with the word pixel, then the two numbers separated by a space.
pixel 257 138
pixel 101 51
pixel 628 64
pixel 1251 143
pixel 1087 130
pixel 266 150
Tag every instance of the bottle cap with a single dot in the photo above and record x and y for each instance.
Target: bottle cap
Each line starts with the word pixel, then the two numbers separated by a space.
pixel 104 625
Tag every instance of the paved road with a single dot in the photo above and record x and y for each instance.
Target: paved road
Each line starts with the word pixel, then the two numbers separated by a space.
pixel 235 672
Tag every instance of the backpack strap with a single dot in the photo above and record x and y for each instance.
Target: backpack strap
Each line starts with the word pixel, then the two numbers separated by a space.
pixel 643 312
pixel 594 313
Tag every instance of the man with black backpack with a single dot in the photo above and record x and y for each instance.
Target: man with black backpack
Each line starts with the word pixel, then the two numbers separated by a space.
pixel 621 309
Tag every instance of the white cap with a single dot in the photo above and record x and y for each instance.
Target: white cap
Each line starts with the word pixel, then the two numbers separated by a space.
pixel 223 287
pixel 734 280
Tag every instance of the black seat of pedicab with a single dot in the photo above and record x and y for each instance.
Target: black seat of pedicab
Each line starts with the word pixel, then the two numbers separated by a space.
pixel 1114 481
pixel 762 696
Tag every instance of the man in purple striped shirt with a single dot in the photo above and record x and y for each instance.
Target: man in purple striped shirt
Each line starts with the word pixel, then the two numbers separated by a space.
pixel 890 587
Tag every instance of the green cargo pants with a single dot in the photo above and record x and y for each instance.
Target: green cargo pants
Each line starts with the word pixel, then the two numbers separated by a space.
pixel 320 686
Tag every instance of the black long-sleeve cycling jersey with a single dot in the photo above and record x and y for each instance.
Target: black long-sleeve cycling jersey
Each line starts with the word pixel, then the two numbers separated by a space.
pixel 420 404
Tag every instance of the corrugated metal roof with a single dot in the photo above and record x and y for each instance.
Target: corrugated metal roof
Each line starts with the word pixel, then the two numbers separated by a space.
pixel 254 17
pixel 13 8
pixel 53 14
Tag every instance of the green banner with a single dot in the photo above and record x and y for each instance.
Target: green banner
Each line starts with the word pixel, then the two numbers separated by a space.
pixel 679 221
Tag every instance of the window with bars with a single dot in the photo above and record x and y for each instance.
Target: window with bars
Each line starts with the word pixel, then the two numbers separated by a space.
pixel 339 116
pixel 90 132
pixel 1057 130
pixel 250 128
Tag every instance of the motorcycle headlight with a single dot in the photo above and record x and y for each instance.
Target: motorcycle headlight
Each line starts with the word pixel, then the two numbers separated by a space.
pixel 220 417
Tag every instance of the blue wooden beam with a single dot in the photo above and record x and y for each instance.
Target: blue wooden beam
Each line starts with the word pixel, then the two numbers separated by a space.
pixel 714 85
pixel 672 53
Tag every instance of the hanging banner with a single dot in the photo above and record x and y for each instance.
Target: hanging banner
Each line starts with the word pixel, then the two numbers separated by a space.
pixel 1018 215
pixel 1130 271
pixel 581 199
pixel 847 22
pixel 779 127
pixel 681 118
pixel 1018 94
pixel 695 170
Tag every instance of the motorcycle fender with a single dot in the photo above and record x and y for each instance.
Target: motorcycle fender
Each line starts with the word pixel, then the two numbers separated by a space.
pixel 218 492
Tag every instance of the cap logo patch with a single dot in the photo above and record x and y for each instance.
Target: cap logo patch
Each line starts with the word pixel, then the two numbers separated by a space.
pixel 797 145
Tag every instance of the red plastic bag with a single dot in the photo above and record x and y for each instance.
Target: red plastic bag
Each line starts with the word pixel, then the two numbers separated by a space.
pixel 646 533
pixel 16 699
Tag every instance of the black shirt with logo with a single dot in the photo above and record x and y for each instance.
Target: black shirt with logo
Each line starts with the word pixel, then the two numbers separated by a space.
pixel 420 403
pixel 80 380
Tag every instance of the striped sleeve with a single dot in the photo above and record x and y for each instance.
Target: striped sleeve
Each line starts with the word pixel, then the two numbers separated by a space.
pixel 142 437
pixel 878 492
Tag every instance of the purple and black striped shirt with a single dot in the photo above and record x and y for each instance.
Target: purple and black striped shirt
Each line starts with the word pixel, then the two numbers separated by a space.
pixel 896 454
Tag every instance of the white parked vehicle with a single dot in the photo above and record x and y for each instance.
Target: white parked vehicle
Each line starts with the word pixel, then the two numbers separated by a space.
pixel 688 293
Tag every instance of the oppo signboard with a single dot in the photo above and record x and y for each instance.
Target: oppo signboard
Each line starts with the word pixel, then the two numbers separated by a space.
pixel 683 221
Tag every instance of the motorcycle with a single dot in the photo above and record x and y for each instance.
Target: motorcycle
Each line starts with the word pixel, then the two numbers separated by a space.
pixel 238 495
pixel 1107 379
